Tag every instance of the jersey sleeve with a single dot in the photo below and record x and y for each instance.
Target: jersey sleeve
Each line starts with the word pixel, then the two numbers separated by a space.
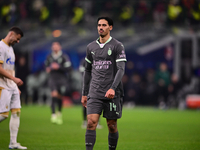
pixel 67 62
pixel 88 57
pixel 47 62
pixel 87 73
pixel 120 55
pixel 2 55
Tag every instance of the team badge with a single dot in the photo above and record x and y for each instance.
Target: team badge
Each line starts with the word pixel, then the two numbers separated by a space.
pixel 109 51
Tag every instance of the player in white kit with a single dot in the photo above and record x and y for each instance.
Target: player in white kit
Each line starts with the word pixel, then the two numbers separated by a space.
pixel 9 92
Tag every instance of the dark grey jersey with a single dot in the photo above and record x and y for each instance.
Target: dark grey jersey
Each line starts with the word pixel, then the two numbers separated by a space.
pixel 64 65
pixel 102 61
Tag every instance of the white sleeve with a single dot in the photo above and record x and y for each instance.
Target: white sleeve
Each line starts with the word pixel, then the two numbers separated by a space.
pixel 2 54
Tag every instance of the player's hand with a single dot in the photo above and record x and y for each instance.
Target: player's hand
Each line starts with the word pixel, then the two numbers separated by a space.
pixel 19 91
pixel 55 66
pixel 84 101
pixel 110 94
pixel 48 69
pixel 18 81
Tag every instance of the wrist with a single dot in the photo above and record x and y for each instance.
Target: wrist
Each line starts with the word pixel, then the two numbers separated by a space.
pixel 113 88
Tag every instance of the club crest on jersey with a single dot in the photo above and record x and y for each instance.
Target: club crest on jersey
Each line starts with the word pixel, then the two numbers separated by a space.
pixel 109 51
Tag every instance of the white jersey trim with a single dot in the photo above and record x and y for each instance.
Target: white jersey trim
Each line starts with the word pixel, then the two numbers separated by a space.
pixel 120 60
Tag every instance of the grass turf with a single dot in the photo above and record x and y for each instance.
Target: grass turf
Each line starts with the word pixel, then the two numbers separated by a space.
pixel 139 129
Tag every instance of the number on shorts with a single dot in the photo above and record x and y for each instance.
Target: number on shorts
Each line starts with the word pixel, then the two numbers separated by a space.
pixel 112 106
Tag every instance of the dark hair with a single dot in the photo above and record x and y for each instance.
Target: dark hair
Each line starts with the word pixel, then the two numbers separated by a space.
pixel 17 31
pixel 110 21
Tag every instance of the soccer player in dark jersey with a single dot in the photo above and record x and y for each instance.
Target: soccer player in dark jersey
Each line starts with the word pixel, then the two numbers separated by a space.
pixel 84 125
pixel 57 65
pixel 102 87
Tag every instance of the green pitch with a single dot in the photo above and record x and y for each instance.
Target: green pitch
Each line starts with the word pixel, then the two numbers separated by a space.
pixel 139 129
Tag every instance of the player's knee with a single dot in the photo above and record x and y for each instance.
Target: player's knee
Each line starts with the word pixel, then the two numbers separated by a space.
pixel 91 124
pixel 54 93
pixel 112 126
pixel 16 112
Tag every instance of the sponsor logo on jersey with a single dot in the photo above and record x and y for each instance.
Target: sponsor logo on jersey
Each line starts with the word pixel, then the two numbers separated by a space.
pixel 109 51
pixel 9 62
pixel 122 55
pixel 102 64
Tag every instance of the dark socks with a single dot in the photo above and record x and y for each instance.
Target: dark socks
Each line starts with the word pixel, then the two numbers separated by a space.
pixel 84 113
pixel 56 102
pixel 59 101
pixel 53 105
pixel 90 138
pixel 112 140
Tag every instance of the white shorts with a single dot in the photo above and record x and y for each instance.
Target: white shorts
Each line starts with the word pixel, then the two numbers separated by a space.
pixel 9 99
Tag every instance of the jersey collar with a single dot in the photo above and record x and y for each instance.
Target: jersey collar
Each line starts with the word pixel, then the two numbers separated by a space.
pixel 102 45
pixel 55 56
pixel 5 42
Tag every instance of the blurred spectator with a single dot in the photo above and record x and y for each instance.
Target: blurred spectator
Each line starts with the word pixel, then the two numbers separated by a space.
pixel 194 13
pixel 22 71
pixel 41 11
pixel 23 9
pixel 34 84
pixel 188 3
pixel 125 81
pixel 174 89
pixel 78 15
pixel 159 13
pixel 175 14
pixel 142 11
pixel 134 91
pixel 150 91
pixel 8 13
pixel 162 78
pixel 126 15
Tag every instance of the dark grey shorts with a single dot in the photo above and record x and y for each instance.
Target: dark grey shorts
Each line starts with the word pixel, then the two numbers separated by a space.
pixel 112 109
pixel 59 85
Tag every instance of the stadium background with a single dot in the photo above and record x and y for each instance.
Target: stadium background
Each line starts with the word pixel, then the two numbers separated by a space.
pixel 152 32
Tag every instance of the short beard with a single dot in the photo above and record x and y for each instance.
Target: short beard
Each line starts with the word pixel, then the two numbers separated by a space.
pixel 102 36
pixel 12 44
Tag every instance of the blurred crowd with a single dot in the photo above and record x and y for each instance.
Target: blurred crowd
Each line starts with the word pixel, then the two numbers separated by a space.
pixel 47 12
pixel 159 87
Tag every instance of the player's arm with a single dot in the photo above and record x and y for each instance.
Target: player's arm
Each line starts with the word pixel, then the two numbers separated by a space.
pixel 66 65
pixel 118 77
pixel 47 65
pixel 86 83
pixel 9 76
pixel 120 63
pixel 86 78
